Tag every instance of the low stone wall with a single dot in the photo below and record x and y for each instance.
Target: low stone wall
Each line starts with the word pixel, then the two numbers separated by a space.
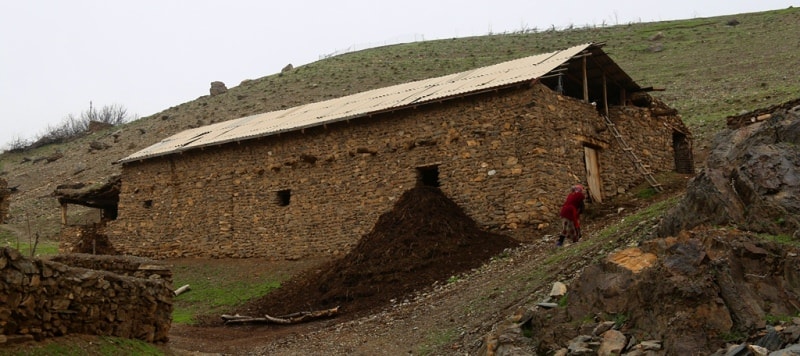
pixel 46 298
pixel 130 266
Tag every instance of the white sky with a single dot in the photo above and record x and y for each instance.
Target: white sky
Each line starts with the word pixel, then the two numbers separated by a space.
pixel 149 55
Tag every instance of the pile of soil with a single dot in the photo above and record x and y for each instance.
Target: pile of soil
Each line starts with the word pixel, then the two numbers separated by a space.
pixel 425 238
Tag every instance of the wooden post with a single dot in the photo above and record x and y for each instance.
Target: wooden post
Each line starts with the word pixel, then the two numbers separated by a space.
pixel 623 96
pixel 585 82
pixel 605 94
pixel 63 213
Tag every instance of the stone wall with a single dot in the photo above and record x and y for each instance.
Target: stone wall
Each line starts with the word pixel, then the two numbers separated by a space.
pixel 507 157
pixel 46 298
pixel 85 239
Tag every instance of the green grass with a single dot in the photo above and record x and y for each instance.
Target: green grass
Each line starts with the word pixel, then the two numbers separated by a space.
pixel 780 239
pixel 436 341
pixel 43 248
pixel 215 290
pixel 777 319
pixel 733 336
pixel 562 302
pixel 100 346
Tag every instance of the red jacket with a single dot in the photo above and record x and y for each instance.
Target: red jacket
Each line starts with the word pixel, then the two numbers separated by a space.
pixel 573 207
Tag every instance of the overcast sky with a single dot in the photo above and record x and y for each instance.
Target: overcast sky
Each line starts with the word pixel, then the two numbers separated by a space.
pixel 149 55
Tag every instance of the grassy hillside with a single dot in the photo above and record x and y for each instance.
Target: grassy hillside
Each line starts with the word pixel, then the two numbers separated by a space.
pixel 708 70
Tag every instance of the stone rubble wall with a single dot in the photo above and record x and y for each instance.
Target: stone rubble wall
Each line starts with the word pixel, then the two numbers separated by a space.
pixel 507 157
pixel 85 239
pixel 130 266
pixel 45 298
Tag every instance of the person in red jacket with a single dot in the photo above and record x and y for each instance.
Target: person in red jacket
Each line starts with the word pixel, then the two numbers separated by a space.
pixel 571 213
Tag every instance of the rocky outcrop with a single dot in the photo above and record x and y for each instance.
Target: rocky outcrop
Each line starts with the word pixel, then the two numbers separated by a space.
pixel 45 298
pixel 702 289
pixel 751 179
pixel 218 88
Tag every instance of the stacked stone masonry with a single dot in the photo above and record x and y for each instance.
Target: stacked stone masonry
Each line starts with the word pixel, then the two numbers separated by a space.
pixel 507 157
pixel 47 298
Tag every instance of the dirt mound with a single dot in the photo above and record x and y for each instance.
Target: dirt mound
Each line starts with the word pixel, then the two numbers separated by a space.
pixel 694 294
pixel 425 238
pixel 751 180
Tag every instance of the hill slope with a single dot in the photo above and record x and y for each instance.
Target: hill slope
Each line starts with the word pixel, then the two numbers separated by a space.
pixel 708 68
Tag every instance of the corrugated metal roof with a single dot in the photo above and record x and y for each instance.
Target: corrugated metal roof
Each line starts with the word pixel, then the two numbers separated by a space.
pixel 361 104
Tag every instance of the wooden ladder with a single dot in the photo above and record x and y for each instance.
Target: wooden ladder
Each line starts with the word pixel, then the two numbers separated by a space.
pixel 640 166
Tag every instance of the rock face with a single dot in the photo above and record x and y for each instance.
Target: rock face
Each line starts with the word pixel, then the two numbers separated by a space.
pixel 704 284
pixel 218 88
pixel 751 179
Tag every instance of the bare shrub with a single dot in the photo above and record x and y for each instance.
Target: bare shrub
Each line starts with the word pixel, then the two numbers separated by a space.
pixel 113 114
pixel 72 127
pixel 17 144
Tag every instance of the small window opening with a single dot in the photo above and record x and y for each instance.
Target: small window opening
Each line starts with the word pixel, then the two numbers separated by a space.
pixel 148 204
pixel 284 197
pixel 428 176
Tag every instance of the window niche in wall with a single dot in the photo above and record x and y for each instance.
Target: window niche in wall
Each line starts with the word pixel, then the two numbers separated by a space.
pixel 428 176
pixel 283 197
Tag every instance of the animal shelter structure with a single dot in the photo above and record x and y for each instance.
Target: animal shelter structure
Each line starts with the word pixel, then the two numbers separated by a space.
pixel 503 141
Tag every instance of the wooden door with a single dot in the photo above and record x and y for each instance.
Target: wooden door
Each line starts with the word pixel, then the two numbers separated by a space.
pixel 593 174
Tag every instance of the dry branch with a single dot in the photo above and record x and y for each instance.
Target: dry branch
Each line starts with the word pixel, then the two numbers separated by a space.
pixel 293 318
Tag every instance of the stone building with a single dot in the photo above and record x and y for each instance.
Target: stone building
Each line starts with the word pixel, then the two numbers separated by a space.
pixel 505 142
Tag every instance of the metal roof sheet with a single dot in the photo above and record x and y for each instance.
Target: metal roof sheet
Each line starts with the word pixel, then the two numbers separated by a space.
pixel 361 104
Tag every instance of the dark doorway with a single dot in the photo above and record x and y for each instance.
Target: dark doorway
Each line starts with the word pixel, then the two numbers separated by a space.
pixel 684 161
pixel 428 176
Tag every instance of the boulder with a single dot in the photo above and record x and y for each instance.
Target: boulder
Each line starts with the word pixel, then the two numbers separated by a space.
pixel 218 88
